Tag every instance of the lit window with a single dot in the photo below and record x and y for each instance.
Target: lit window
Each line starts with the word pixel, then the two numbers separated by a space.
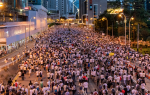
pixel 95 11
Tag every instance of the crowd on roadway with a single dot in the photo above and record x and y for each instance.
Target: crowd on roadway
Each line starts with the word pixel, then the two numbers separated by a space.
pixel 71 59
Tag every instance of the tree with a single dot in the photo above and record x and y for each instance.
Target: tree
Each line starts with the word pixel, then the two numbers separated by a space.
pixel 144 33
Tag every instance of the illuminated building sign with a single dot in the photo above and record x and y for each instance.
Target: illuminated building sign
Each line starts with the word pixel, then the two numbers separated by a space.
pixel 115 11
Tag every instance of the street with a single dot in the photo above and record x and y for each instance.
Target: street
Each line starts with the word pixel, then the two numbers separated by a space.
pixel 63 61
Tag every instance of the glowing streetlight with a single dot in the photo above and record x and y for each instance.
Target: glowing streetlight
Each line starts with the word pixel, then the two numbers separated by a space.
pixel 125 25
pixel 1 4
pixel 104 18
pixel 29 26
pixel 129 28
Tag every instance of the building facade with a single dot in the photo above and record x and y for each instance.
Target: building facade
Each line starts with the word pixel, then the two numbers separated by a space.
pixel 39 2
pixel 53 4
pixel 91 9
pixel 15 17
pixel 75 6
pixel 13 10
pixel 63 7
pixel 70 7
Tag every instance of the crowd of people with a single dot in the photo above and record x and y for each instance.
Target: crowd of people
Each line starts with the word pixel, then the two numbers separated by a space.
pixel 73 57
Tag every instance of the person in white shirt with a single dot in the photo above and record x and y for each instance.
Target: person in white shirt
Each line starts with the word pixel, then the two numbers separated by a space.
pixel 31 91
pixel 37 74
pixel 118 79
pixel 85 84
pixel 134 91
pixel 48 83
pixel 143 88
pixel 19 74
pixel 124 78
pixel 48 75
pixel 102 77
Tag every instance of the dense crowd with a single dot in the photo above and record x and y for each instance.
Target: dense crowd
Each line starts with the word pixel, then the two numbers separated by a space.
pixel 72 59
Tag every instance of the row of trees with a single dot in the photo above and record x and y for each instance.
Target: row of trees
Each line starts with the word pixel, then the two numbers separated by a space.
pixel 138 12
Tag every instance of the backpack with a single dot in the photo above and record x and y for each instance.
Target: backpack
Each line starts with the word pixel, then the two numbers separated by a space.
pixel 138 87
pixel 88 64
pixel 100 87
pixel 113 90
pixel 120 78
pixel 55 90
pixel 106 92
pixel 80 87
pixel 52 83
pixel 16 84
pixel 2 90
pixel 33 93
pixel 41 84
pixel 95 93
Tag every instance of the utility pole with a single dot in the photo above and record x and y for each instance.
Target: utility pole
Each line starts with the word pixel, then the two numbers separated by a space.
pixel 138 39
pixel 112 29
pixel 125 30
pixel 25 41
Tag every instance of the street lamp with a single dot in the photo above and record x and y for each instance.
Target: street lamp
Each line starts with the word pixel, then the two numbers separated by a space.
pixel 125 25
pixel 29 26
pixel 104 18
pixel 44 24
pixel 1 4
pixel 129 28
pixel 91 20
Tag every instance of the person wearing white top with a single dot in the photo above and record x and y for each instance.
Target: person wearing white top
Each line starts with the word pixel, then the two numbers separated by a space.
pixel 48 75
pixel 124 78
pixel 143 88
pixel 31 91
pixel 118 79
pixel 37 74
pixel 85 84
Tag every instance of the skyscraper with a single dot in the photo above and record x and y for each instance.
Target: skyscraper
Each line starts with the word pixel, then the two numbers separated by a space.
pixel 63 7
pixel 70 7
pixel 75 6
pixel 52 4
pixel 91 9
pixel 39 2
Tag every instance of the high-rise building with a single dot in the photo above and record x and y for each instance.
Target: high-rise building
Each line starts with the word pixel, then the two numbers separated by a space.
pixel 82 8
pixel 63 7
pixel 70 7
pixel 148 5
pixel 36 2
pixel 91 9
pixel 52 4
pixel 75 6
pixel 39 2
pixel 45 3
pixel 13 10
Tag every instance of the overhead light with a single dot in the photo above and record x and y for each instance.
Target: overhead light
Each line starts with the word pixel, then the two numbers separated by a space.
pixel 1 4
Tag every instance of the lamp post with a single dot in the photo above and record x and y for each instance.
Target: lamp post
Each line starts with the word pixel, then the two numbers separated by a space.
pixel 44 24
pixel 125 25
pixel 129 28
pixel 1 4
pixel 91 20
pixel 25 41
pixel 112 30
pixel 29 26
pixel 104 18
pixel 138 38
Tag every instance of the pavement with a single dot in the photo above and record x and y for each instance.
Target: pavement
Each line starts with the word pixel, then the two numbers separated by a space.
pixel 147 80
pixel 25 82
pixel 17 51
